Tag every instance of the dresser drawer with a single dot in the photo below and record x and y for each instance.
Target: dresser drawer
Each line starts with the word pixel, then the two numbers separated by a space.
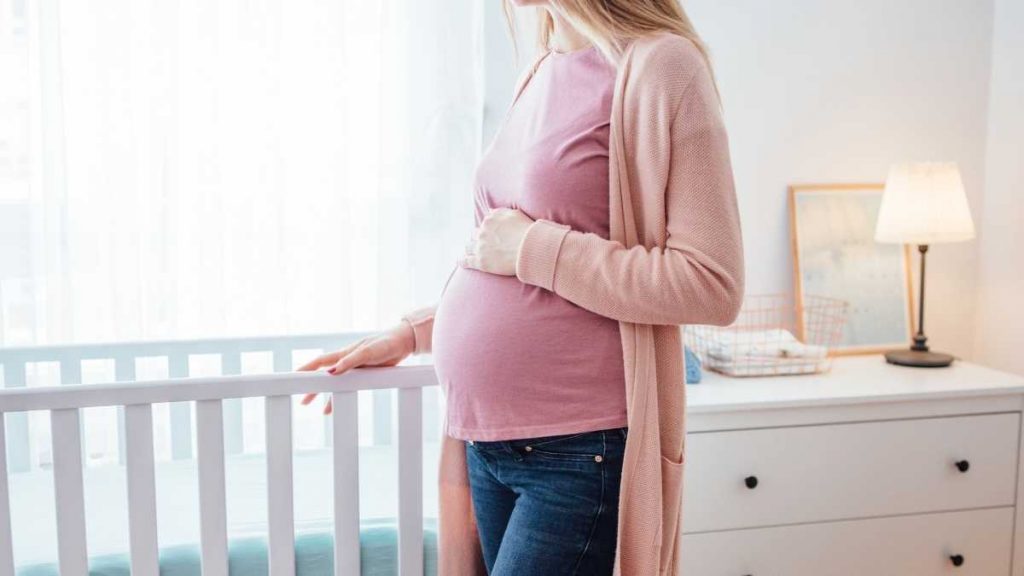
pixel 899 546
pixel 843 471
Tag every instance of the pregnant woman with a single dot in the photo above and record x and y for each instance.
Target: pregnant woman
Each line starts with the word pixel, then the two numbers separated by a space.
pixel 605 219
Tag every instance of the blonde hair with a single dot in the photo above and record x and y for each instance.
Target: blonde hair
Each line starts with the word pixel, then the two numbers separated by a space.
pixel 608 24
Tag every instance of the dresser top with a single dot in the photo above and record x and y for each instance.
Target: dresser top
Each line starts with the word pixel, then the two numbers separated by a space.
pixel 852 380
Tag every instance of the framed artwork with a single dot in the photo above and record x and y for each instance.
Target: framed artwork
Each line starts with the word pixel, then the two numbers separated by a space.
pixel 835 255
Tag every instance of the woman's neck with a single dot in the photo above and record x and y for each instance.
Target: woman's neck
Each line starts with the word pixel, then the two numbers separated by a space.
pixel 565 38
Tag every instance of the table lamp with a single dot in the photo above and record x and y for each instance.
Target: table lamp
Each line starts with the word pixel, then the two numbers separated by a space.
pixel 923 203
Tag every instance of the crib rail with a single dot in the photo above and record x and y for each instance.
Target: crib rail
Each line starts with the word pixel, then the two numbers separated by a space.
pixel 16 362
pixel 209 394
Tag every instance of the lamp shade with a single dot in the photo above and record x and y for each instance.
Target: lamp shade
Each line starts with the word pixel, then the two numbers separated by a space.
pixel 924 203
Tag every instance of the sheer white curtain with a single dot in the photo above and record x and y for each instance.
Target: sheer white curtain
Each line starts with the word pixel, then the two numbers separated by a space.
pixel 198 168
pixel 216 168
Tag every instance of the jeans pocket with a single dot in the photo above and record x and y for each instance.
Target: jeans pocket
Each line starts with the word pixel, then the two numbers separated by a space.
pixel 580 447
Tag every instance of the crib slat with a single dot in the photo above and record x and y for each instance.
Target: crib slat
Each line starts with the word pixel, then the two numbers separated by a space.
pixel 124 371
pixel 212 511
pixel 70 500
pixel 283 359
pixel 141 490
pixel 328 423
pixel 280 505
pixel 70 374
pixel 345 422
pixel 71 371
pixel 124 368
pixel 20 457
pixel 381 417
pixel 6 543
pixel 181 412
pixel 410 481
pixel 231 364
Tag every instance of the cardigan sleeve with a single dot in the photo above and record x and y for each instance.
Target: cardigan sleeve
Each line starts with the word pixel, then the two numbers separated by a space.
pixel 422 322
pixel 697 277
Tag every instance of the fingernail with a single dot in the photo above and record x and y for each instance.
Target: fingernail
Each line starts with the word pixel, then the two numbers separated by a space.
pixel 331 370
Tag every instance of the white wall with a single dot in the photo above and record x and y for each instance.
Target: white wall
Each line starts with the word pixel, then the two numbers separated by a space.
pixel 1000 320
pixel 835 91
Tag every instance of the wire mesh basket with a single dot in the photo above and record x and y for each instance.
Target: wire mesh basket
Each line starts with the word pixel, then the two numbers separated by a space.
pixel 771 336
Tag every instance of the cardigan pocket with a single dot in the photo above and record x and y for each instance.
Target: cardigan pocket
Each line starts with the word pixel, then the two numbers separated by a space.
pixel 671 493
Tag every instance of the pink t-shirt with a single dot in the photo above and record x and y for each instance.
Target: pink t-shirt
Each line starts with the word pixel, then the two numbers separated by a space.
pixel 515 360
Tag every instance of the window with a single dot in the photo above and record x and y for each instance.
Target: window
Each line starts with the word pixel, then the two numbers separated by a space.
pixel 204 169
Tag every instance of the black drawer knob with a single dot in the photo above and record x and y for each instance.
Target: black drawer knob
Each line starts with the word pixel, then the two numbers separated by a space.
pixel 957 559
pixel 962 465
pixel 751 482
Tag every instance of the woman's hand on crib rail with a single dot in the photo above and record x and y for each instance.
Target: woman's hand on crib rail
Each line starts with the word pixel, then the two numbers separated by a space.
pixel 387 348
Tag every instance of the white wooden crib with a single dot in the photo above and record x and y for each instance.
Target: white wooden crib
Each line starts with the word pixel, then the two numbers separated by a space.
pixel 218 426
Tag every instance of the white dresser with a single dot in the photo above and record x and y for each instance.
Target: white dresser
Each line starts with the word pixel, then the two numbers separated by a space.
pixel 868 470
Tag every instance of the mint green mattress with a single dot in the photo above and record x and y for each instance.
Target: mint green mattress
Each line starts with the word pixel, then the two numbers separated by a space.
pixel 314 555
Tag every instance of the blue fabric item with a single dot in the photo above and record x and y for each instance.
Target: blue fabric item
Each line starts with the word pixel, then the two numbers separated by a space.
pixel 564 487
pixel 314 555
pixel 693 371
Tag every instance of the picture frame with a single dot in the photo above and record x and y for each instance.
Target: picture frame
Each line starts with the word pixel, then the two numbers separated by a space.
pixel 835 255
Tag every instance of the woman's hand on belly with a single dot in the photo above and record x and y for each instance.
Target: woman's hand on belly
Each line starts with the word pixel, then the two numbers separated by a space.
pixel 494 244
pixel 387 348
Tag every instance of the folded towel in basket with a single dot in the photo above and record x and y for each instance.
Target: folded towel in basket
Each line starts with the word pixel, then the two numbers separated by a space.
pixel 732 346
pixel 761 366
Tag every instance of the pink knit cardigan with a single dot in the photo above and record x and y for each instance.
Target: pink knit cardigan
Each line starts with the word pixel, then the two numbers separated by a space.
pixel 674 257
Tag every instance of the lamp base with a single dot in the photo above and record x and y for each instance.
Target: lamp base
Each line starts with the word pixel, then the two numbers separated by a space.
pixel 918 358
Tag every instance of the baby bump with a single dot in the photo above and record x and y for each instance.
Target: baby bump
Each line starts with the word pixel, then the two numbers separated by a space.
pixel 510 355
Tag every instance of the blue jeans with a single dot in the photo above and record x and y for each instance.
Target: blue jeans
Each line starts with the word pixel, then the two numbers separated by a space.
pixel 548 506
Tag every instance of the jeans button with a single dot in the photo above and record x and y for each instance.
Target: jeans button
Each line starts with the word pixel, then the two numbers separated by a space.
pixel 598 458
pixel 528 448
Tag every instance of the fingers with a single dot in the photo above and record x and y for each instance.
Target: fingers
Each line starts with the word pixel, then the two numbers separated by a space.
pixel 468 261
pixel 346 350
pixel 472 261
pixel 317 362
pixel 333 357
pixel 469 257
pixel 326 360
pixel 327 407
pixel 369 351
pixel 359 357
